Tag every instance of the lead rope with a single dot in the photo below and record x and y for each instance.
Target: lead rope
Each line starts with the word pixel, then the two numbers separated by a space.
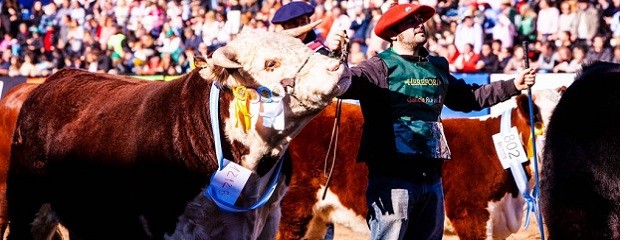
pixel 536 190
pixel 333 141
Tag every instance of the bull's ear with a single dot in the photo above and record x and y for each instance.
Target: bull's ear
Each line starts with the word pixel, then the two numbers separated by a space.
pixel 221 58
pixel 200 62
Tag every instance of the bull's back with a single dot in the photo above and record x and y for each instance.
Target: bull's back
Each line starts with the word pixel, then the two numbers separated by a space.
pixel 95 115
pixel 582 145
pixel 10 106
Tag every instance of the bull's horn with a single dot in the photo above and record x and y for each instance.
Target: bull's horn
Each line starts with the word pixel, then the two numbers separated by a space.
pixel 295 32
pixel 220 58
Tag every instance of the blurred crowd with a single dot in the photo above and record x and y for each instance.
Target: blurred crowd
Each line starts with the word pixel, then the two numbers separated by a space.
pixel 159 37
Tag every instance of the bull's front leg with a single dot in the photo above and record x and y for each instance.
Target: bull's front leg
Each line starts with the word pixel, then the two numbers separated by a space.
pixel 274 213
pixel 469 223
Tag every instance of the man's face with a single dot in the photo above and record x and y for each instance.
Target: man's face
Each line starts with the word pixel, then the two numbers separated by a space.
pixel 412 32
pixel 296 22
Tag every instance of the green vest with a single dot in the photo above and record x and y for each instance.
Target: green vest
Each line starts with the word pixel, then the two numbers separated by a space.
pixel 417 92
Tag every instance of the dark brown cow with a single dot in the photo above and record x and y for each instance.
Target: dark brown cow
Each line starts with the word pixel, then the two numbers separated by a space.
pixel 580 178
pixel 474 180
pixel 112 152
pixel 10 104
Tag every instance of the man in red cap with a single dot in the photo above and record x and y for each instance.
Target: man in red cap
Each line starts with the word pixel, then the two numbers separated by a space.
pixel 402 91
pixel 295 14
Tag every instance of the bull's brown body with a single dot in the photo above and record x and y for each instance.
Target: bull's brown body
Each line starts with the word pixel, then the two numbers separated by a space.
pixel 152 178
pixel 9 109
pixel 472 179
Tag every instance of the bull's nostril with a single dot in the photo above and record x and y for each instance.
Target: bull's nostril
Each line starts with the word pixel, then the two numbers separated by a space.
pixel 287 82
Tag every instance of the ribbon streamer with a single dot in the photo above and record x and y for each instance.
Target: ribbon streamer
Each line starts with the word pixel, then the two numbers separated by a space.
pixel 242 108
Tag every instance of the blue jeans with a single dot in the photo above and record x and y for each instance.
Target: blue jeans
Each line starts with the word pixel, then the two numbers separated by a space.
pixel 405 209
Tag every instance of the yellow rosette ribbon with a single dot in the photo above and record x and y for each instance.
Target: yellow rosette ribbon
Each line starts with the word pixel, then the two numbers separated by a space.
pixel 242 108
pixel 539 130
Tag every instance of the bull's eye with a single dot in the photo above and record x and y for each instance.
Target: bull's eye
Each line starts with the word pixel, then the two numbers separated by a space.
pixel 271 65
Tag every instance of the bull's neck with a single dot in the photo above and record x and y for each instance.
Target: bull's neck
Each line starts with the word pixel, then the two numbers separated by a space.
pixel 257 147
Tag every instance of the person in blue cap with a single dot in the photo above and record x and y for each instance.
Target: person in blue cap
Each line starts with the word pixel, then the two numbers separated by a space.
pixel 296 14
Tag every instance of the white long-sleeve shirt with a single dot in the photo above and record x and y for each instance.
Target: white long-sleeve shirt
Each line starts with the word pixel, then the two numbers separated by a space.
pixel 548 21
pixel 465 34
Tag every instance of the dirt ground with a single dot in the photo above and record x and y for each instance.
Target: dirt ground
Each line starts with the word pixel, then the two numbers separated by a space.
pixel 344 233
pixel 531 233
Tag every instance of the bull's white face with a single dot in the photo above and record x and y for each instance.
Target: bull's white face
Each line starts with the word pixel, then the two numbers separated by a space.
pixel 306 81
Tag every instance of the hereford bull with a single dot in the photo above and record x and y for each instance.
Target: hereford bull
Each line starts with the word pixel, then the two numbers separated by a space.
pixel 112 152
pixel 580 178
pixel 10 104
pixel 481 197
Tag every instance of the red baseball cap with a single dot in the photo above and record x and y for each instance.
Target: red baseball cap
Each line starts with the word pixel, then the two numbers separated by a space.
pixel 396 14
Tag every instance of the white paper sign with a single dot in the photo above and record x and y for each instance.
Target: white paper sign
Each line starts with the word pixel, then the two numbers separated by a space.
pixel 229 182
pixel 509 148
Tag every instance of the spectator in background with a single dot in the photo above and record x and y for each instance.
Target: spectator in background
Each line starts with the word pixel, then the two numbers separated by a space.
pixel 78 12
pixel 323 28
pixel 547 58
pixel 567 17
pixel 23 34
pixel 579 58
pixel 548 21
pixel 121 12
pixel 466 61
pixel 210 28
pixel 516 63
pixel 563 62
pixel 564 39
pixel 504 31
pixel 75 37
pixel 360 26
pixel 507 9
pixel 117 44
pixel 108 29
pixel 488 63
pixel 468 31
pixel 5 62
pixel 26 67
pixel 527 25
pixel 616 56
pixel 586 24
pixel 609 9
pixel 191 40
pixel 599 51
pixel 35 43
pixel 496 46
pixel 14 67
pixel 43 67
pixel 170 43
pixel 453 53
pixel 36 13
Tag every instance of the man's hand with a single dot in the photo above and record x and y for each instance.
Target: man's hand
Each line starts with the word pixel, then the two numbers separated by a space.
pixel 526 78
pixel 336 41
pixel 387 5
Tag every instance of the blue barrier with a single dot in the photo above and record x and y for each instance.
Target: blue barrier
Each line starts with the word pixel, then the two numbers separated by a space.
pixel 6 83
pixel 477 78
